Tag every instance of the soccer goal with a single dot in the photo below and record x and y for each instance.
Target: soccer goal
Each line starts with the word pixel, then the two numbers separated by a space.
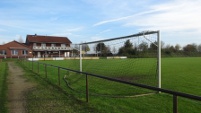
pixel 135 58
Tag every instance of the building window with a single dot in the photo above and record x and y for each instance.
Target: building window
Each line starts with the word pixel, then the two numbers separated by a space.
pixel 63 45
pixel 2 52
pixel 14 52
pixel 53 45
pixel 24 52
pixel 43 45
pixel 34 44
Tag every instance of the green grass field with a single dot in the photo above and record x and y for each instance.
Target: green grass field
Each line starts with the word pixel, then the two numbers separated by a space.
pixel 179 74
pixel 3 87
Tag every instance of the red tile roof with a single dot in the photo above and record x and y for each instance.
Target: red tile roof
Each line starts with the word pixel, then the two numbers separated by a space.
pixel 47 39
pixel 14 45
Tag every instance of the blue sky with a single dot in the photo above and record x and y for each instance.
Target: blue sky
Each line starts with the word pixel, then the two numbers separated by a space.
pixel 87 20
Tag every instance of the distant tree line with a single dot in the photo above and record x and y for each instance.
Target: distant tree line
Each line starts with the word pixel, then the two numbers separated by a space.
pixel 145 50
pixel 177 50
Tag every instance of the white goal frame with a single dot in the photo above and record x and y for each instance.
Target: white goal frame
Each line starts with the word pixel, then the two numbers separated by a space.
pixel 143 33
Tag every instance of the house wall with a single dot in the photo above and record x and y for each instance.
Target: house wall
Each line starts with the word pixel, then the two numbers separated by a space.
pixel 47 53
pixel 39 52
pixel 15 46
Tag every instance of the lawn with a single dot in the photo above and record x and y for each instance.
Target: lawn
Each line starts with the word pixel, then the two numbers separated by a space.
pixel 179 74
pixel 3 87
pixel 182 74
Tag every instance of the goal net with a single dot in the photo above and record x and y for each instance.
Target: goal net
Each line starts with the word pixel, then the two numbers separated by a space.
pixel 134 58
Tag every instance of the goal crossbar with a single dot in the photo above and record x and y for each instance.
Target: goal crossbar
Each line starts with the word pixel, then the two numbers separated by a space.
pixel 124 37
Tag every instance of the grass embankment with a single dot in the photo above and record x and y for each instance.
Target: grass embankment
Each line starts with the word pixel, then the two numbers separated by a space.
pixel 46 97
pixel 3 87
pixel 179 74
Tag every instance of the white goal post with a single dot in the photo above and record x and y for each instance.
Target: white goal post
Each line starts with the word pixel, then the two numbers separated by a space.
pixel 143 33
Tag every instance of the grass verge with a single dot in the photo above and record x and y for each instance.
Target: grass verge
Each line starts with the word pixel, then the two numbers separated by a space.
pixel 3 87
pixel 48 98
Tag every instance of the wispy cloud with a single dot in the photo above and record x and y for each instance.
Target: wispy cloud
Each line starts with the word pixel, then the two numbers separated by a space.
pixel 174 16
pixel 95 38
pixel 72 33
pixel 104 31
pixel 125 17
pixel 112 20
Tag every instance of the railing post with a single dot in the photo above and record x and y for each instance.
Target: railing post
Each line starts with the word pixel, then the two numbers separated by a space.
pixel 87 89
pixel 175 102
pixel 59 76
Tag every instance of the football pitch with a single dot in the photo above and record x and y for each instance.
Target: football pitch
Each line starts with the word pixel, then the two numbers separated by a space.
pixel 178 74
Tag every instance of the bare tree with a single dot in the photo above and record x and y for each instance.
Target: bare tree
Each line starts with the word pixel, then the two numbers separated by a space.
pixel 85 48
pixel 114 50
pixel 177 47
pixel 143 46
pixel 190 48
pixel 162 44
pixel 199 48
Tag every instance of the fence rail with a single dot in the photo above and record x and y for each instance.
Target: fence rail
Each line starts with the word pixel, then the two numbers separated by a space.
pixel 174 94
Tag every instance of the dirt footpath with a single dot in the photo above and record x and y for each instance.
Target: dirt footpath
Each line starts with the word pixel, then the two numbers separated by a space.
pixel 17 86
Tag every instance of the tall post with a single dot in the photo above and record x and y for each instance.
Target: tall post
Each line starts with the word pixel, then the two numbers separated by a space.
pixel 87 89
pixel 80 58
pixel 159 59
pixel 175 102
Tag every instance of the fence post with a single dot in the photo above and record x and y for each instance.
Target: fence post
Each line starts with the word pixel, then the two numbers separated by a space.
pixel 175 102
pixel 59 76
pixel 87 89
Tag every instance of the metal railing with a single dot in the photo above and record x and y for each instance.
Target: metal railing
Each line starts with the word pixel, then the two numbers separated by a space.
pixel 174 94
pixel 51 48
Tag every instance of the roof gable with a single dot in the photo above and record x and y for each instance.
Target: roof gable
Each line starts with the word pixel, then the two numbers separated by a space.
pixel 47 39
pixel 14 45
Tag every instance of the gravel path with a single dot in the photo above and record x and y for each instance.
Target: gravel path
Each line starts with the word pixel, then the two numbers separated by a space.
pixel 17 86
